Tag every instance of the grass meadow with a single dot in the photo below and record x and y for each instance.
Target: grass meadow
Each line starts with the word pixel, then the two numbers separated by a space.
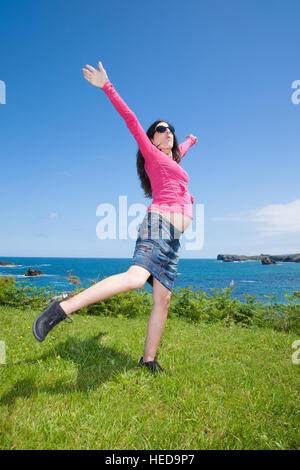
pixel 228 386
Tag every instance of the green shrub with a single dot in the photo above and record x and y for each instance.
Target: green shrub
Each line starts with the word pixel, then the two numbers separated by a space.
pixel 124 305
pixel 218 305
pixel 16 294
pixel 281 316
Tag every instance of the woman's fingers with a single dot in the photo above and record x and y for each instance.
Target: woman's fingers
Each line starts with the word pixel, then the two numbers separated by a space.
pixel 91 68
pixel 87 76
pixel 191 135
pixel 96 77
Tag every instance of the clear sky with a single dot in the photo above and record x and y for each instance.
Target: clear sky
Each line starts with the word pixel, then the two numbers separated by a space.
pixel 221 70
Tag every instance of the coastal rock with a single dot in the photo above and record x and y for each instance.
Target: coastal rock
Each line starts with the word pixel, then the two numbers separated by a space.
pixel 267 260
pixel 293 258
pixel 33 272
pixel 5 263
pixel 232 258
pixel 287 258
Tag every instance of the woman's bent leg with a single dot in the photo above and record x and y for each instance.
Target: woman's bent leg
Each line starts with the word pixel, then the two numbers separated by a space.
pixel 134 278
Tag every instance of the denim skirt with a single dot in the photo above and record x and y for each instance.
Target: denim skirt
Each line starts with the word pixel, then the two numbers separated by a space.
pixel 157 249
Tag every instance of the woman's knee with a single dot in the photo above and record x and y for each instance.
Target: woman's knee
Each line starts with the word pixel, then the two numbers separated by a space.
pixel 162 305
pixel 161 295
pixel 167 300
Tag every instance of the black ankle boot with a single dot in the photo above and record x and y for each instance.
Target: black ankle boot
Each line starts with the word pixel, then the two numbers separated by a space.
pixel 152 365
pixel 53 315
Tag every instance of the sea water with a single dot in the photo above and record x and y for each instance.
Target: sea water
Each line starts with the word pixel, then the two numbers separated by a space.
pixel 248 277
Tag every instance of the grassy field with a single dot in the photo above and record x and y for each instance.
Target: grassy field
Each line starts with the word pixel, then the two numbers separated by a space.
pixel 227 387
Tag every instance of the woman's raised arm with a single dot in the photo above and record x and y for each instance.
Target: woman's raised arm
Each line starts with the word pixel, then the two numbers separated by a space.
pixel 100 79
pixel 191 140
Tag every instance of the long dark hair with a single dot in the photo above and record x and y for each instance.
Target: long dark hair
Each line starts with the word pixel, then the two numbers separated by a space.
pixel 140 161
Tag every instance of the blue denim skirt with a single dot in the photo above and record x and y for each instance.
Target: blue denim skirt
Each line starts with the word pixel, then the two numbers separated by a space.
pixel 157 249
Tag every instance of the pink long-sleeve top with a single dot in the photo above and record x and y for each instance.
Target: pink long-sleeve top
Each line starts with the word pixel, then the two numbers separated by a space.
pixel 168 180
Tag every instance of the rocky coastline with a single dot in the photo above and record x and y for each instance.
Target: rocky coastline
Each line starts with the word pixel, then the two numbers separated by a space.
pixel 5 263
pixel 30 271
pixel 264 258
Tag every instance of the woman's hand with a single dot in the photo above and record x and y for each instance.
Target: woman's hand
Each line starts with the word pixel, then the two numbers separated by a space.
pixel 96 77
pixel 191 135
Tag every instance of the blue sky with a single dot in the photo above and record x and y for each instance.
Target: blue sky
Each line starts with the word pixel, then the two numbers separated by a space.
pixel 221 70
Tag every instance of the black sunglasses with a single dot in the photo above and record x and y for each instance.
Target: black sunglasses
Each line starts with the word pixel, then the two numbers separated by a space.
pixel 162 129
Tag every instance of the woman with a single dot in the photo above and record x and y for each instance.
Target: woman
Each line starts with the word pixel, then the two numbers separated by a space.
pixel 155 256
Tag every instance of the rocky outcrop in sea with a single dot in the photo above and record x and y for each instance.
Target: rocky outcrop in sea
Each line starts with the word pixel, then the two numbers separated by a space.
pixel 268 259
pixel 33 272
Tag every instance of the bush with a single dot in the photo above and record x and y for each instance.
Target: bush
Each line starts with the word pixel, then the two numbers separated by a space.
pixel 198 306
pixel 217 306
pixel 284 317
pixel 124 305
pixel 195 305
pixel 18 295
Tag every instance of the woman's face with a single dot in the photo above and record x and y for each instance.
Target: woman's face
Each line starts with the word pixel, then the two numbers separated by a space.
pixel 163 140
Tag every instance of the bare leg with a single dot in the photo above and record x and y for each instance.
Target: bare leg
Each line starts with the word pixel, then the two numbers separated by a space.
pixel 134 278
pixel 157 320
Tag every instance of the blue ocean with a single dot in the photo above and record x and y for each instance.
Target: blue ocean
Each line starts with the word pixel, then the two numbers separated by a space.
pixel 249 277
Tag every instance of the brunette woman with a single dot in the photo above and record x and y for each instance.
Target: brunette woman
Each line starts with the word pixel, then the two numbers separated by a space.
pixel 156 253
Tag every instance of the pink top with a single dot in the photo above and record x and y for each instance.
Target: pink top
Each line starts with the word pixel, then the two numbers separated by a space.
pixel 168 180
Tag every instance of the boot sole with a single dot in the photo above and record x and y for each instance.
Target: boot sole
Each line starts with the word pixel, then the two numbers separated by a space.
pixel 34 330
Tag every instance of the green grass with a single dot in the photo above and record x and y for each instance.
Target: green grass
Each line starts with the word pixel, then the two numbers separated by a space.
pixel 228 387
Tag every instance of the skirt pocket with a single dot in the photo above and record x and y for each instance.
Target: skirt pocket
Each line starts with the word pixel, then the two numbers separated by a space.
pixel 143 251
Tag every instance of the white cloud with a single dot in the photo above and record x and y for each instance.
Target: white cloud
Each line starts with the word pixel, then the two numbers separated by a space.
pixel 274 219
